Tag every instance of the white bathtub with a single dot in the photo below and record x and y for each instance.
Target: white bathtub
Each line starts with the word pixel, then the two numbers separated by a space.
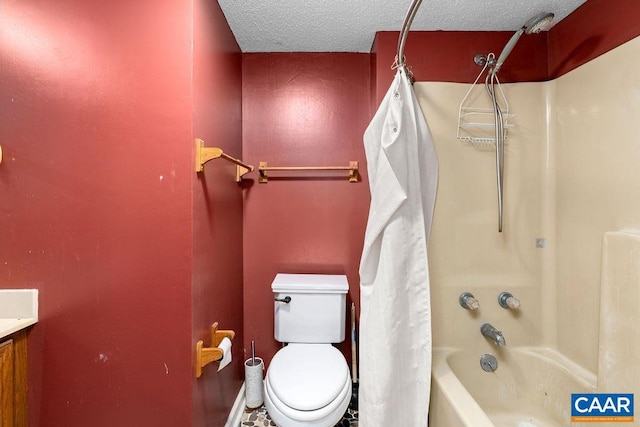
pixel 531 388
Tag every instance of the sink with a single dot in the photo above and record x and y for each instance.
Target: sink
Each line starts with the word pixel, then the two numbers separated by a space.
pixel 18 310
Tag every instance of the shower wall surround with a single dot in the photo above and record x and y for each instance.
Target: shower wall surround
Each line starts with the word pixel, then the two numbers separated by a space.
pixel 466 253
pixel 597 110
pixel 571 176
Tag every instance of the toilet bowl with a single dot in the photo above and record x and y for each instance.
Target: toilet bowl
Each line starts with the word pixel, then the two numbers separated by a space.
pixel 307 385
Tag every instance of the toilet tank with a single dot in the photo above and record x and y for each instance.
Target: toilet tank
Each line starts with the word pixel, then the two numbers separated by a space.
pixel 316 311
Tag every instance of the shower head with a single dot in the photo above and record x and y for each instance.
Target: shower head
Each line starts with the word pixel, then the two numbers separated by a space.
pixel 538 23
pixel 532 26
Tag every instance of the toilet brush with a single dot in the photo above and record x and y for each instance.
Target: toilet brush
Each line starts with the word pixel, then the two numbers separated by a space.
pixel 253 379
pixel 353 404
pixel 253 353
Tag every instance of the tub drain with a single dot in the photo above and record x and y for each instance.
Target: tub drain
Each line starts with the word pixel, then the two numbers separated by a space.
pixel 488 362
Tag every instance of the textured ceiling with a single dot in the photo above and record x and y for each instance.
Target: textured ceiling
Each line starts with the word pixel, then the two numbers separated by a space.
pixel 350 25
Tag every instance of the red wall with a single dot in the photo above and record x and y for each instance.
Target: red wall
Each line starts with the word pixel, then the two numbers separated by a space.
pixel 100 204
pixel 591 30
pixel 299 110
pixel 133 254
pixel 217 209
pixel 447 56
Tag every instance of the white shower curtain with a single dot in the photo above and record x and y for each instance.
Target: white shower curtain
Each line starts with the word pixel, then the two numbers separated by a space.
pixel 395 318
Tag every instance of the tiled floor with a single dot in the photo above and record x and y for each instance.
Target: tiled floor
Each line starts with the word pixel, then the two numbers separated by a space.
pixel 259 417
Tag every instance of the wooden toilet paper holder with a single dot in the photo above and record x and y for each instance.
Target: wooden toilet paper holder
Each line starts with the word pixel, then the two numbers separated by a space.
pixel 206 355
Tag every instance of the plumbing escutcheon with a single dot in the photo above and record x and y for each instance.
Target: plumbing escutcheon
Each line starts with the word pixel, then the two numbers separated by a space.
pixel 488 362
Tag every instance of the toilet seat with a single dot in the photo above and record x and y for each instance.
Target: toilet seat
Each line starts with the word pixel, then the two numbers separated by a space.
pixel 309 384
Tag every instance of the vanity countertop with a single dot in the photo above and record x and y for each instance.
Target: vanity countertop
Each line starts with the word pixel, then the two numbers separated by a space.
pixel 18 310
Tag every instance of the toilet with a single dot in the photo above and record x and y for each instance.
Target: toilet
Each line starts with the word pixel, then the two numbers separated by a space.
pixel 308 381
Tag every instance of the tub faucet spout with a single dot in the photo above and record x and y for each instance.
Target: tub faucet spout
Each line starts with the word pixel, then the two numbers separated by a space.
pixel 495 335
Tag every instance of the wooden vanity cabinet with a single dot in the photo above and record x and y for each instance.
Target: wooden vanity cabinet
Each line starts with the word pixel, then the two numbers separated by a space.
pixel 13 380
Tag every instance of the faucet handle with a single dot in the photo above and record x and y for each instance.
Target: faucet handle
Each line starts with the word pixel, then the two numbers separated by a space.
pixel 468 301
pixel 506 300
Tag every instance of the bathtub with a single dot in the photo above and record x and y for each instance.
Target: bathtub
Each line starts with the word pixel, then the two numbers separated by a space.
pixel 531 388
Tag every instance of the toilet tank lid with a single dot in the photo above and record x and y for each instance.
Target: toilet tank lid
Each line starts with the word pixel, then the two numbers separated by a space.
pixel 307 283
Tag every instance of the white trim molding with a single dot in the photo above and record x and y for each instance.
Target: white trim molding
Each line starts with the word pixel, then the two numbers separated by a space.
pixel 235 416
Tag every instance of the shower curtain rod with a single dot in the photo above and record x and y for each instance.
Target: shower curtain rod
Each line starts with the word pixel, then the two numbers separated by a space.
pixel 406 26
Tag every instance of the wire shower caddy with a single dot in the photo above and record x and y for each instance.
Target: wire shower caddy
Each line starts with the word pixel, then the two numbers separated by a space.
pixel 476 123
